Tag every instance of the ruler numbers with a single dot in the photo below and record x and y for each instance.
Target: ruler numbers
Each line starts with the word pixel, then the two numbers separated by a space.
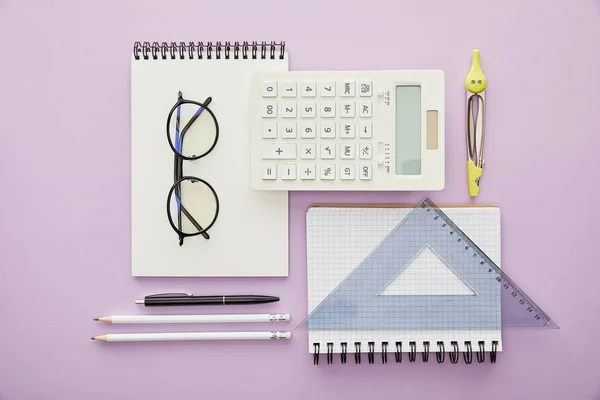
pixel 507 284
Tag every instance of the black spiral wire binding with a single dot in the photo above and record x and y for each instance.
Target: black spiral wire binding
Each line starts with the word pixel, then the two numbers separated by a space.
pixel 425 353
pixel 227 49
pixel 181 50
pixel 468 355
pixel 440 355
pixel 371 354
pixel 412 355
pixel 398 352
pixel 357 352
pixel 481 353
pixel 384 346
pixel 493 352
pixel 453 355
pixel 209 50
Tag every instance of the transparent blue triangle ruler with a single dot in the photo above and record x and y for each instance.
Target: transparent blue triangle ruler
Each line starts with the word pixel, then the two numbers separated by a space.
pixel 355 304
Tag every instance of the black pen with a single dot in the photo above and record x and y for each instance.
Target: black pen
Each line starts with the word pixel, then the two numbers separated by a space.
pixel 184 299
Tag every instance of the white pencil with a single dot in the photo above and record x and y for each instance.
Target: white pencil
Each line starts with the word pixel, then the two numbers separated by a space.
pixel 193 319
pixel 163 337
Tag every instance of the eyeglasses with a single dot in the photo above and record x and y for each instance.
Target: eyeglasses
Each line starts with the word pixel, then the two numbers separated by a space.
pixel 191 201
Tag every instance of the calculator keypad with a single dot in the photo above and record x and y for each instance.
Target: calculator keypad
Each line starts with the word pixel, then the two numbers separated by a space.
pixel 317 130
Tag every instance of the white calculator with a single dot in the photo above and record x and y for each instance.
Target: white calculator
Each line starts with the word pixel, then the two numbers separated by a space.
pixel 347 130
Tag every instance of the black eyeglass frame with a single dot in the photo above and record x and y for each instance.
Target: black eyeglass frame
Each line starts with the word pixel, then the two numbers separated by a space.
pixel 178 169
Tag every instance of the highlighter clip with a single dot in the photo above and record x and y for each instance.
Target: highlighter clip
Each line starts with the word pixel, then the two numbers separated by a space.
pixel 475 84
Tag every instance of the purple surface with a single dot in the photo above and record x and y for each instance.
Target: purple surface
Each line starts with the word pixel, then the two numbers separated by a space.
pixel 64 212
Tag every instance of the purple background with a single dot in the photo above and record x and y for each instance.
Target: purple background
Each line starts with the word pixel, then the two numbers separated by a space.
pixel 64 209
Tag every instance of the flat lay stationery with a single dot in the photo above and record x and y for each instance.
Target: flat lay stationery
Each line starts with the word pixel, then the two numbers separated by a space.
pixel 193 319
pixel 414 279
pixel 193 212
pixel 347 130
pixel 475 84
pixel 187 336
pixel 184 299
pixel 390 286
pixel 222 131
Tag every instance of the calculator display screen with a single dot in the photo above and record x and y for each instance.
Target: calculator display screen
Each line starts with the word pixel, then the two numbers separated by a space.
pixel 408 130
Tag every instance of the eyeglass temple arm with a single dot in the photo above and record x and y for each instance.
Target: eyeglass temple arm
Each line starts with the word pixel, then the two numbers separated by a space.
pixel 193 221
pixel 182 208
pixel 195 117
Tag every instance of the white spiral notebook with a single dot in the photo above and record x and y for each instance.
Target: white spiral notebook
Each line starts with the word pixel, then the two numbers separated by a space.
pixel 374 290
pixel 193 212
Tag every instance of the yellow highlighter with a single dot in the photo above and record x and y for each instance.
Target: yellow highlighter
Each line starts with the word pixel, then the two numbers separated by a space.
pixel 475 84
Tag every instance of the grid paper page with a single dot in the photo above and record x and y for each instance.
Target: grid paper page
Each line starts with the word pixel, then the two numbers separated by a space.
pixel 340 239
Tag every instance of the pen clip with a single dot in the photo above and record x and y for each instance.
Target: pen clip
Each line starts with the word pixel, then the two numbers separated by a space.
pixel 161 295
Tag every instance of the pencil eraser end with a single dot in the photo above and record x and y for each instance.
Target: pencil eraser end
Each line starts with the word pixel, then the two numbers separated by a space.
pixel 288 335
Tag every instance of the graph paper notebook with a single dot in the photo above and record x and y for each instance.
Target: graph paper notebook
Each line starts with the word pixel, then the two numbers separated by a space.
pixel 380 281
pixel 249 235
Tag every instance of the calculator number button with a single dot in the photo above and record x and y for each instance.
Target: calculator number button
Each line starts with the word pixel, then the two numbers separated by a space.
pixel 347 131
pixel 327 109
pixel 327 89
pixel 365 109
pixel 288 110
pixel 366 88
pixel 328 171
pixel 308 89
pixel 365 130
pixel 347 109
pixel 308 151
pixel 279 151
pixel 308 110
pixel 288 172
pixel 269 130
pixel 308 172
pixel 269 172
pixel 307 130
pixel 328 130
pixel 269 109
pixel 347 172
pixel 347 89
pixel 269 89
pixel 288 89
pixel 365 151
pixel 327 151
pixel 288 130
pixel 347 151
pixel 365 171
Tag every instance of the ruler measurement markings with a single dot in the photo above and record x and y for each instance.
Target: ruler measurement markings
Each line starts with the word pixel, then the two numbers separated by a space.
pixel 519 296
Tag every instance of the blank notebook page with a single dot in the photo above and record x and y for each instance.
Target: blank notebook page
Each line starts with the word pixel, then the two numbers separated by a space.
pixel 250 235
pixel 340 239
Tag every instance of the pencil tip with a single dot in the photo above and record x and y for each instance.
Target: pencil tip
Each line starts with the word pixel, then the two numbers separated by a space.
pixel 93 338
pixel 96 319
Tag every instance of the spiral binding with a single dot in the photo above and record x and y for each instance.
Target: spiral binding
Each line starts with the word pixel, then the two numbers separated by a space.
pixel 209 50
pixel 453 354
